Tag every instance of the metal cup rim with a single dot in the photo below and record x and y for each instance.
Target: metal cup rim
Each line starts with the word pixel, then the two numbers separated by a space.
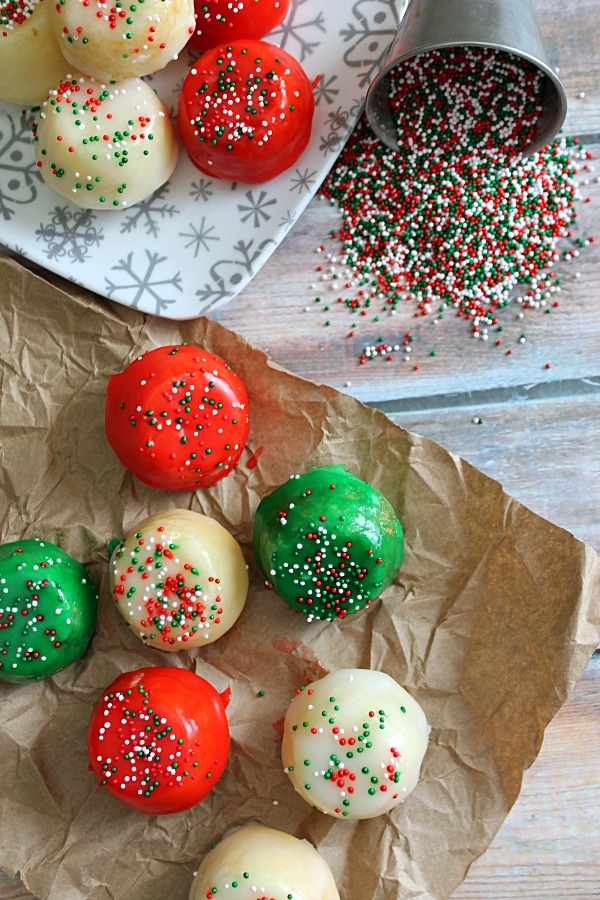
pixel 537 142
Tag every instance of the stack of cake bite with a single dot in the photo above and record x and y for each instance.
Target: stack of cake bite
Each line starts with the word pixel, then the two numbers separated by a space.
pixel 325 541
pixel 103 137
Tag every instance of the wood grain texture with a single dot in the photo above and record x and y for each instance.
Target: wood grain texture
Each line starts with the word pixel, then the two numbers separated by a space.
pixel 572 40
pixel 549 845
pixel 545 453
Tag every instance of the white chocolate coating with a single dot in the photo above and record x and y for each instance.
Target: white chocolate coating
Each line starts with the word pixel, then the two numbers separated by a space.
pixel 353 743
pixel 31 61
pixel 263 863
pixel 179 580
pixel 122 38
pixel 105 146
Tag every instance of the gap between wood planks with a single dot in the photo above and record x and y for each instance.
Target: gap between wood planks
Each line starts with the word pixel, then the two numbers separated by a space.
pixel 546 390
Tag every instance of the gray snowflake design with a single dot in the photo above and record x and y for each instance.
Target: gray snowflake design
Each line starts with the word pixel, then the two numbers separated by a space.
pixel 149 256
pixel 303 181
pixel 145 283
pixel 149 213
pixel 201 189
pixel 339 122
pixel 70 234
pixel 229 275
pixel 255 208
pixel 324 89
pixel 288 220
pixel 199 236
pixel 370 35
pixel 21 176
pixel 297 35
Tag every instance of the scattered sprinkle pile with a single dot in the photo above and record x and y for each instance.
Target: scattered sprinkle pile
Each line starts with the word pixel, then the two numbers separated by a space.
pixel 455 219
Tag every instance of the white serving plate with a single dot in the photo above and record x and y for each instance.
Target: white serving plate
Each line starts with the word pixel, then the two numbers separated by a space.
pixel 196 242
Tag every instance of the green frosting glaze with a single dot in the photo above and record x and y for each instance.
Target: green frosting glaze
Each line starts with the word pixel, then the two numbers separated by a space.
pixel 48 608
pixel 327 542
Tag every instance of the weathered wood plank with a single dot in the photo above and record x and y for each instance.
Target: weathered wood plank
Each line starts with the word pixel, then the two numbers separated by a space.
pixel 549 846
pixel 572 40
pixel 545 453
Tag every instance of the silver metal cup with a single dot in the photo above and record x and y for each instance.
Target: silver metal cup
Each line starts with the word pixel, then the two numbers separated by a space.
pixel 508 25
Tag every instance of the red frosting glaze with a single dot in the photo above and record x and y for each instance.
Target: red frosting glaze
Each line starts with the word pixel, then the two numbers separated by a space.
pixel 222 21
pixel 245 111
pixel 158 739
pixel 177 417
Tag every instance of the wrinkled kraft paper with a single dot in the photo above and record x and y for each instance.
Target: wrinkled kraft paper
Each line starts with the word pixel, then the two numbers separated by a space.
pixel 489 625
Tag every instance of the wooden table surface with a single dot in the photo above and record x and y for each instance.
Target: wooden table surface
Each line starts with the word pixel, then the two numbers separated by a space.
pixel 535 429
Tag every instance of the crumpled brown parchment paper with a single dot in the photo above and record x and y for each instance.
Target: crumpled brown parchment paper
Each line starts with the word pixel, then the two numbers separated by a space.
pixel 489 625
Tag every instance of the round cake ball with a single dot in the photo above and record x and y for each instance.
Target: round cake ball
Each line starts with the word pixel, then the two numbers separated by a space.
pixel 48 609
pixel 223 21
pixel 104 146
pixel 179 580
pixel 177 417
pixel 327 542
pixel 158 739
pixel 260 863
pixel 353 743
pixel 112 41
pixel 245 111
pixel 31 61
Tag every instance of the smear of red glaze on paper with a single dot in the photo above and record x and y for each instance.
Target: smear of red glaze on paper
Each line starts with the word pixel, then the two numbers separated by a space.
pixel 255 457
pixel 314 668
pixel 286 645
pixel 278 728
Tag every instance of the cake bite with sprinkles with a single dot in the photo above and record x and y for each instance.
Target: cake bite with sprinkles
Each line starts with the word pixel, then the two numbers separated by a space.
pixel 245 111
pixel 104 146
pixel 327 542
pixel 223 21
pixel 31 61
pixel 455 220
pixel 353 743
pixel 158 739
pixel 177 417
pixel 259 863
pixel 48 608
pixel 116 39
pixel 179 580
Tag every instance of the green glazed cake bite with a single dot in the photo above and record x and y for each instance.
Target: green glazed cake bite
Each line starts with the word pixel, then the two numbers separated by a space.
pixel 48 608
pixel 327 542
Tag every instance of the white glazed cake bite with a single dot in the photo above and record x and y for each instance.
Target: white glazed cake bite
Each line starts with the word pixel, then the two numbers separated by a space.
pixel 256 862
pixel 115 39
pixel 104 146
pixel 353 743
pixel 179 580
pixel 31 61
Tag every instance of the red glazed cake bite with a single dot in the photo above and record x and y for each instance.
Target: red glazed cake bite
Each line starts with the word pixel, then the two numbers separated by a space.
pixel 158 739
pixel 177 417
pixel 245 111
pixel 222 21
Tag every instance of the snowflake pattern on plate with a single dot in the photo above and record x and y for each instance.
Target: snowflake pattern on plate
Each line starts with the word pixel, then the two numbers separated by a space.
pixel 20 178
pixel 196 242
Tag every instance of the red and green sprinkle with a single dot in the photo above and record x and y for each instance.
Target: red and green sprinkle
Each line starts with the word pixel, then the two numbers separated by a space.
pixel 454 221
